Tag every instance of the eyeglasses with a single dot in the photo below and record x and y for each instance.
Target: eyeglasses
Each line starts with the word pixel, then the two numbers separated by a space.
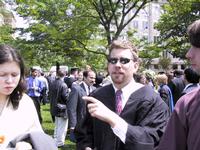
pixel 122 60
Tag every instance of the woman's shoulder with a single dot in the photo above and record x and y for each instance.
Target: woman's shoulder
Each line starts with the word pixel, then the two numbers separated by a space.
pixel 26 97
pixel 26 100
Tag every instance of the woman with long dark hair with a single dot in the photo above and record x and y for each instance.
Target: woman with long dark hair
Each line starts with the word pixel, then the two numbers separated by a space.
pixel 17 111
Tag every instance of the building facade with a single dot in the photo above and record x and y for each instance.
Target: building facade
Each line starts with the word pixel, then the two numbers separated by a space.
pixel 143 24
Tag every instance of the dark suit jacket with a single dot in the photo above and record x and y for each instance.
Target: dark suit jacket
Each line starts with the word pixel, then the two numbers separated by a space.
pixel 69 81
pixel 76 106
pixel 146 115
pixel 58 94
pixel 176 85
pixel 189 88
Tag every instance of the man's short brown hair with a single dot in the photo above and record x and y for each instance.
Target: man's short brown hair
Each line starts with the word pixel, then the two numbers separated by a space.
pixel 124 44
pixel 194 33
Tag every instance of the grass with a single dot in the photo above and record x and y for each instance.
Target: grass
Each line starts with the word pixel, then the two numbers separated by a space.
pixel 48 126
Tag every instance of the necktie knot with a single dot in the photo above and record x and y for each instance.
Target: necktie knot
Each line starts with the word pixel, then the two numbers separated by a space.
pixel 118 95
pixel 118 92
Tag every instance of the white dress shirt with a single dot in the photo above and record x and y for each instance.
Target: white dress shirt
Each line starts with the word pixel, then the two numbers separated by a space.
pixel 121 127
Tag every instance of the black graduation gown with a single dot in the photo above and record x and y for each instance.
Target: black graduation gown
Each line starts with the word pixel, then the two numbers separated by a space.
pixel 146 115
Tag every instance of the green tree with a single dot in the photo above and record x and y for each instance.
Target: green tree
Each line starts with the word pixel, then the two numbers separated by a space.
pixel 114 16
pixel 75 30
pixel 6 30
pixel 149 52
pixel 178 14
pixel 164 63
pixel 55 34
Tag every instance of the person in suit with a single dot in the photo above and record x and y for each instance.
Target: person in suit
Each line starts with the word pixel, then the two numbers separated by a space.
pixel 76 105
pixel 45 89
pixel 69 80
pixel 182 131
pixel 191 79
pixel 98 80
pixel 59 94
pixel 50 78
pixel 124 115
pixel 177 85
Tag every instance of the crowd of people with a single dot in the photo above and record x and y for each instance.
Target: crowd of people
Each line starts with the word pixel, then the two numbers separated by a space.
pixel 126 110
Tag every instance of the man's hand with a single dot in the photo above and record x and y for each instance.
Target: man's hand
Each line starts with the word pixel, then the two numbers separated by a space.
pixel 98 110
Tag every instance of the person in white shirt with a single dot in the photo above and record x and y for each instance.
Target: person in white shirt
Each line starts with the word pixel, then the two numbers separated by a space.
pixel 17 111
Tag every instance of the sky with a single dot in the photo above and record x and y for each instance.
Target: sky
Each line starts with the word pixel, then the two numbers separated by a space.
pixel 20 22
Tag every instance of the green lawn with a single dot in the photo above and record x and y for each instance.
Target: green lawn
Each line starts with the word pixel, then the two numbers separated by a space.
pixel 48 126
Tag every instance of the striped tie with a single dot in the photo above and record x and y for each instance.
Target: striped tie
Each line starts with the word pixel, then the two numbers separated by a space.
pixel 118 101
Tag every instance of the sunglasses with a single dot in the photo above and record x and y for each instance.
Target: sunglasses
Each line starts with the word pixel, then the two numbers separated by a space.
pixel 122 60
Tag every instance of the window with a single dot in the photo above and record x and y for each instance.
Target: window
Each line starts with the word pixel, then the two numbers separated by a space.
pixel 145 25
pixel 135 24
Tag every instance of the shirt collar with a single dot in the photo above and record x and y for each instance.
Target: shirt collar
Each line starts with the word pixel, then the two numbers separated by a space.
pixel 128 90
pixel 131 87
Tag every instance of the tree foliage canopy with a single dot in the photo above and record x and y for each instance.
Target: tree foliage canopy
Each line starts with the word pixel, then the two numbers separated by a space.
pixel 6 30
pixel 178 14
pixel 57 31
pixel 75 31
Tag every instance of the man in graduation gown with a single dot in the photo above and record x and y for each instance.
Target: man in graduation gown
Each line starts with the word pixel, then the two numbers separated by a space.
pixel 124 115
